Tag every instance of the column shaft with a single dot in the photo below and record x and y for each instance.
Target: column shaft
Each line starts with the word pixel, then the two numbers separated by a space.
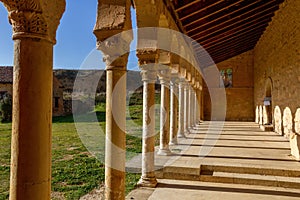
pixel 181 111
pixel 148 176
pixel 189 107
pixel 32 120
pixel 186 109
pixel 115 133
pixel 173 114
pixel 164 119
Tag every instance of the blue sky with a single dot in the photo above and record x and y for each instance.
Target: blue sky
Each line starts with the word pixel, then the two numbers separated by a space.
pixel 76 42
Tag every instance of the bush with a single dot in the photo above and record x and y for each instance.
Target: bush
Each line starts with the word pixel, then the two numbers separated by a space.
pixel 6 108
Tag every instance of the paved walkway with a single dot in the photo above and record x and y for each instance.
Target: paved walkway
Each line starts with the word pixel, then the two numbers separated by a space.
pixel 235 147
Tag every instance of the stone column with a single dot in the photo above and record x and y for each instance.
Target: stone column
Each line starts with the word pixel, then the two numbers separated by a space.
pixel 148 176
pixel 164 77
pixel 186 109
pixel 196 108
pixel 113 40
pixel 181 110
pixel 190 107
pixel 34 32
pixel 198 96
pixel 115 147
pixel 193 109
pixel 174 112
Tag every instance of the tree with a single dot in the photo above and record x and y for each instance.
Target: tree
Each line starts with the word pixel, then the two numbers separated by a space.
pixel 6 108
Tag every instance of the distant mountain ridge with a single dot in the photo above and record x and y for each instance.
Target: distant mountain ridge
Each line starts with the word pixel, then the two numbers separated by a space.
pixel 87 79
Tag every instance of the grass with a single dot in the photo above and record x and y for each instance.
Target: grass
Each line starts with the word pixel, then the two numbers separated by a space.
pixel 75 171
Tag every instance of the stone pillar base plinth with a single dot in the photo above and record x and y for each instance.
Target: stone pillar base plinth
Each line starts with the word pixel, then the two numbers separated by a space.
pixel 147 182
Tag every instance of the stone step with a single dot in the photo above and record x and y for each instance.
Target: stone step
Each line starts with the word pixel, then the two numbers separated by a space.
pixel 249 170
pixel 234 174
pixel 252 179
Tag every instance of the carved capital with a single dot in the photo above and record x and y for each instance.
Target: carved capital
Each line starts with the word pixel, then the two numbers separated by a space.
pixel 147 57
pixel 115 51
pixel 149 75
pixel 164 76
pixel 35 18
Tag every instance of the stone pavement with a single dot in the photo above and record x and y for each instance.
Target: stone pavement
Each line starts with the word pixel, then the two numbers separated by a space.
pixel 217 159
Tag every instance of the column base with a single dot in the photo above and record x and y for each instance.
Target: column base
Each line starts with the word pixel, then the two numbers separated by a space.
pixel 187 132
pixel 147 182
pixel 164 152
pixel 181 135
pixel 173 142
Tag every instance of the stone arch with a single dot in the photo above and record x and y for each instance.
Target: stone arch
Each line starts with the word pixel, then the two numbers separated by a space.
pixel 287 122
pixel 267 118
pixel 278 120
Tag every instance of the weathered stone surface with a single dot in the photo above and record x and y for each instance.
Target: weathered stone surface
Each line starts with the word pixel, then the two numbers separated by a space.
pixel 256 114
pixel 295 138
pixel 260 115
pixel 295 146
pixel 35 19
pixel 277 120
pixel 265 115
pixel 297 121
pixel 276 57
pixel 287 122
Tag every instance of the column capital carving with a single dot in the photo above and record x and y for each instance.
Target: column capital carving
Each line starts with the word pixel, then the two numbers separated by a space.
pixel 147 56
pixel 174 80
pixel 149 75
pixel 115 51
pixel 35 18
pixel 164 75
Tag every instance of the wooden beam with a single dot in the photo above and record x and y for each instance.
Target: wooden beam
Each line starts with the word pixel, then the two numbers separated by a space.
pixel 235 11
pixel 229 44
pixel 201 10
pixel 231 54
pixel 188 5
pixel 247 19
pixel 234 47
pixel 230 38
pixel 206 16
pixel 233 31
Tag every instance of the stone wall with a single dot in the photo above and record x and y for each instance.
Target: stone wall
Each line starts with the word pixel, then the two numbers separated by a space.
pixel 240 95
pixel 277 71
pixel 277 60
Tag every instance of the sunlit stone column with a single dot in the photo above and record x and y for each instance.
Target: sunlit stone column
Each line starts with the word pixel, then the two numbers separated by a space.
pixel 190 104
pixel 34 31
pixel 164 77
pixel 195 108
pixel 181 109
pixel 115 49
pixel 186 109
pixel 174 111
pixel 198 104
pixel 148 176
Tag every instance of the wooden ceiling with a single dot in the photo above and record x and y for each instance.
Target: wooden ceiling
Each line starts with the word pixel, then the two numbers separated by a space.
pixel 224 28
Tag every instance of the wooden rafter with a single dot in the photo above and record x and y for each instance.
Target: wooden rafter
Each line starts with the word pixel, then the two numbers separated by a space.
pixel 211 14
pixel 235 21
pixel 224 16
pixel 201 10
pixel 235 30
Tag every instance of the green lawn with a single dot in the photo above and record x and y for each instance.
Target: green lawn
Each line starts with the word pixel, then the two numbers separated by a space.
pixel 75 171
